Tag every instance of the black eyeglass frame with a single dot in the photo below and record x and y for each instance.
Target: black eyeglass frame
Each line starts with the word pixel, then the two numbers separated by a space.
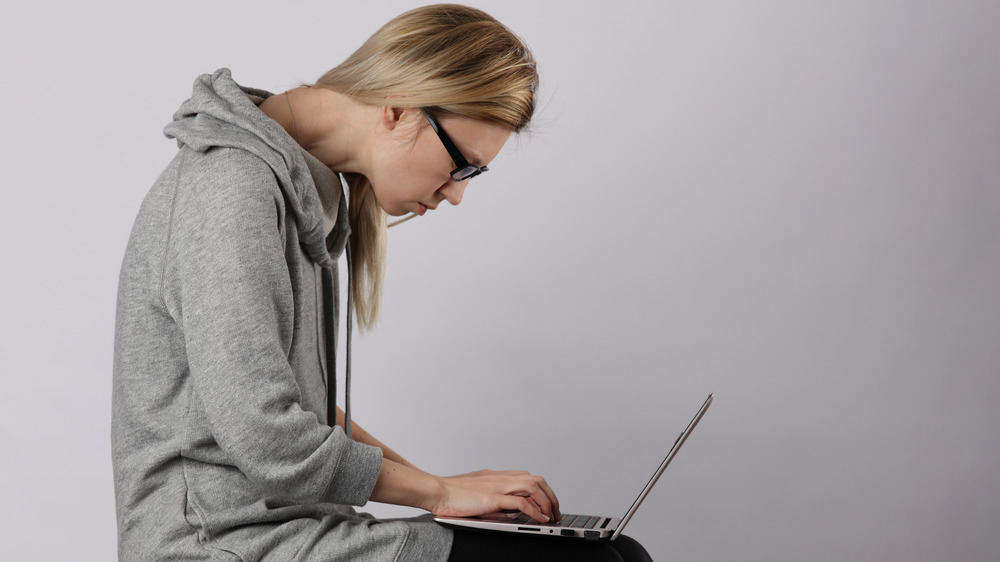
pixel 464 169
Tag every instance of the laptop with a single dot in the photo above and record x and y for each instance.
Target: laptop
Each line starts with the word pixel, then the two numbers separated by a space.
pixel 593 527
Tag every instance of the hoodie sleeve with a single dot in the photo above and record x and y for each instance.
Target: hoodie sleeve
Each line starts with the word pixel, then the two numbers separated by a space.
pixel 227 284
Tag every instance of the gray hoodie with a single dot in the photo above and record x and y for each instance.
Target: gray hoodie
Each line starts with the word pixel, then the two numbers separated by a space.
pixel 226 330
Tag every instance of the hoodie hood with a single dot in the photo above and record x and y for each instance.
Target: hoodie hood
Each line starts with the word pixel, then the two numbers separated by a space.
pixel 221 113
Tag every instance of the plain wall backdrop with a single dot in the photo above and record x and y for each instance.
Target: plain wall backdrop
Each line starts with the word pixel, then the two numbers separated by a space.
pixel 793 204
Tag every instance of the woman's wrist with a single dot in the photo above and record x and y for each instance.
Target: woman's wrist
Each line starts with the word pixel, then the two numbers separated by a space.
pixel 399 484
pixel 435 492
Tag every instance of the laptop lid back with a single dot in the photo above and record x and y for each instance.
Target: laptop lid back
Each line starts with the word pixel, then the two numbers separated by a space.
pixel 670 456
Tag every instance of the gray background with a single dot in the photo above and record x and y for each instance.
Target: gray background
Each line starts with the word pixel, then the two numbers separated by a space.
pixel 790 203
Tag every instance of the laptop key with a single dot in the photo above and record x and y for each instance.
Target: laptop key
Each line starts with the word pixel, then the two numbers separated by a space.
pixel 579 521
pixel 567 520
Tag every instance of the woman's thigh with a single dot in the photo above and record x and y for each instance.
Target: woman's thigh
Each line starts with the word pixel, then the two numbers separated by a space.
pixel 486 546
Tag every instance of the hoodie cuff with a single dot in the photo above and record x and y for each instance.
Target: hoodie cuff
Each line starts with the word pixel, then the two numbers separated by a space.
pixel 354 476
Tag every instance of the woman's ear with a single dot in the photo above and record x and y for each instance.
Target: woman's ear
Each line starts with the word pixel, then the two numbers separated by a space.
pixel 391 117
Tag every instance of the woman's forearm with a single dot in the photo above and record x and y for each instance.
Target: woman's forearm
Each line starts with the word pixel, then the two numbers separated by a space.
pixel 361 436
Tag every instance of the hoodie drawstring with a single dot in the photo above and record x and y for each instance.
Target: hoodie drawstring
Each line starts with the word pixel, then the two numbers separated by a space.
pixel 350 322
pixel 329 290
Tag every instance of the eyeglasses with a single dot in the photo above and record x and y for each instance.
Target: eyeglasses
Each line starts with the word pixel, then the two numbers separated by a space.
pixel 465 170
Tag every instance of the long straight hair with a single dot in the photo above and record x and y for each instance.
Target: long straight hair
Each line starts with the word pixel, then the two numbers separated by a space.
pixel 446 59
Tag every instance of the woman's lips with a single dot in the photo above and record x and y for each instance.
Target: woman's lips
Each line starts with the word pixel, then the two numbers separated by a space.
pixel 421 209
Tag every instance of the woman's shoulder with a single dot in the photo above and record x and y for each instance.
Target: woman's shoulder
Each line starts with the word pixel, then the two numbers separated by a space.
pixel 224 177
pixel 225 167
pixel 224 186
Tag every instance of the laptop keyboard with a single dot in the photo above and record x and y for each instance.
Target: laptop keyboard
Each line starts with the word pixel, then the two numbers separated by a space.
pixel 579 521
pixel 568 520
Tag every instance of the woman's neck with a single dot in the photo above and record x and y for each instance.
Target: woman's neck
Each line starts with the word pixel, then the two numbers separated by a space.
pixel 327 124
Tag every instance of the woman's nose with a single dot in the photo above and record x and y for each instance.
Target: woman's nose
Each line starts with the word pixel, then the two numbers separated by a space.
pixel 454 191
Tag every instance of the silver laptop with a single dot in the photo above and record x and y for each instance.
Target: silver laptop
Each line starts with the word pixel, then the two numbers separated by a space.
pixel 593 527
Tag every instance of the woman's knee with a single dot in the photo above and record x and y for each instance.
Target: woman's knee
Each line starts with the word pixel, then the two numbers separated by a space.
pixel 630 549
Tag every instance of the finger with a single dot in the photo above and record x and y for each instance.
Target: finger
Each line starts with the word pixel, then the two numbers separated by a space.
pixel 526 506
pixel 533 503
pixel 533 490
pixel 556 513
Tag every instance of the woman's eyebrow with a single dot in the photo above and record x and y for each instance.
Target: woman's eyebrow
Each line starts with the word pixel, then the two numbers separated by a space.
pixel 473 159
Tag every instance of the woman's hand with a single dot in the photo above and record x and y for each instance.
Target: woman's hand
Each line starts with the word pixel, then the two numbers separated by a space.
pixel 489 491
pixel 467 495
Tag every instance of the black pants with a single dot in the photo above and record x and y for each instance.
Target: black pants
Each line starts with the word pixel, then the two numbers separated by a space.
pixel 485 546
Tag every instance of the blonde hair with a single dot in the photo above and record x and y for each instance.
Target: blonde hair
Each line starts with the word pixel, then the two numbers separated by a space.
pixel 446 59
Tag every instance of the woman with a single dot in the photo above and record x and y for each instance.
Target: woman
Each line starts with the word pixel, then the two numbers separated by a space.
pixel 226 440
